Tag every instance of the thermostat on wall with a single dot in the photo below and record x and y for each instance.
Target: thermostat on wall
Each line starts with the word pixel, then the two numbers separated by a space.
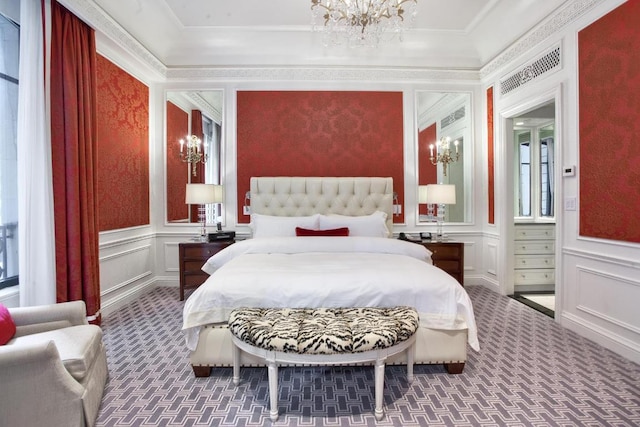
pixel 569 171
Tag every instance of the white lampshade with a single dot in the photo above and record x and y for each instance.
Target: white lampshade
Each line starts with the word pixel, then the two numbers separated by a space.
pixel 422 194
pixel 441 194
pixel 201 194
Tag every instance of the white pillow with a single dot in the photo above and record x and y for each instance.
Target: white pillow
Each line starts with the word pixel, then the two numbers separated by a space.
pixel 281 226
pixel 373 225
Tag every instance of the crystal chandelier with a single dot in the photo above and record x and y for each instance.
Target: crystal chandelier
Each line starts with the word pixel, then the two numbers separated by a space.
pixel 443 153
pixel 193 151
pixel 361 22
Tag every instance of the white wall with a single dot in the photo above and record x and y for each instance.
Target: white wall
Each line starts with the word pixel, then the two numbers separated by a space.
pixel 597 280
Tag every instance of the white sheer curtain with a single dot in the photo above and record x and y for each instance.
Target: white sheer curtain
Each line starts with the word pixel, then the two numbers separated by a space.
pixel 35 194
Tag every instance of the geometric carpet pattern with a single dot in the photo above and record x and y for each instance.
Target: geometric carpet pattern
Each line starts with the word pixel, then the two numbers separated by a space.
pixel 529 372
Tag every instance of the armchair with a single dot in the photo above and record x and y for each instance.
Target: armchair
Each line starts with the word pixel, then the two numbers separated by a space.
pixel 54 370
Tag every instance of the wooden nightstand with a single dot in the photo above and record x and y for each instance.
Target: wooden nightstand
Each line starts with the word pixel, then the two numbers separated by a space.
pixel 448 256
pixel 193 255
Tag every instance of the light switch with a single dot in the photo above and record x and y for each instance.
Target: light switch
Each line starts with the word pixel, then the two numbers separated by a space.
pixel 570 204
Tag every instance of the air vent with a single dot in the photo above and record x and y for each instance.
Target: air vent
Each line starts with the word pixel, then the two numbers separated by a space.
pixel 452 118
pixel 532 71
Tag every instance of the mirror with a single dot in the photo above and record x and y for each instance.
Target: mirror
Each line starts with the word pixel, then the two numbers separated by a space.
pixel 187 114
pixel 445 115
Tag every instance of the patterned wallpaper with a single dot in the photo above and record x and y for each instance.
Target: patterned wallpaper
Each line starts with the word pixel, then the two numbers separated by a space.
pixel 328 133
pixel 177 172
pixel 427 173
pixel 123 148
pixel 609 123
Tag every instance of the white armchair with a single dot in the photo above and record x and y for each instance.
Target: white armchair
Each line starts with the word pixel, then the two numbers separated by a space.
pixel 54 370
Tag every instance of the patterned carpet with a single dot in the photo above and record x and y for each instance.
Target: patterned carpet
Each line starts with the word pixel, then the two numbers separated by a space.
pixel 530 372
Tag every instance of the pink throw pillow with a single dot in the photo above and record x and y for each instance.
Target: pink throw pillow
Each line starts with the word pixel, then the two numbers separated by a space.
pixel 7 327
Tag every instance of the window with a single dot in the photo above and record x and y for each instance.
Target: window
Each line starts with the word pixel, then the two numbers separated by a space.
pixel 534 167
pixel 9 54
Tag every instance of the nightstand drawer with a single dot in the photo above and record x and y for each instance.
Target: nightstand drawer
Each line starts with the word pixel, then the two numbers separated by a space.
pixel 444 251
pixel 193 280
pixel 204 251
pixel 448 265
pixel 193 266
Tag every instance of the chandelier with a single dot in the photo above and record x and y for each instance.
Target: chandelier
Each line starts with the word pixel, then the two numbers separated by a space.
pixel 361 22
pixel 443 153
pixel 193 151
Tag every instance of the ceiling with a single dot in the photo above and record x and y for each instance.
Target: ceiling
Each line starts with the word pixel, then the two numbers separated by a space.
pixel 447 34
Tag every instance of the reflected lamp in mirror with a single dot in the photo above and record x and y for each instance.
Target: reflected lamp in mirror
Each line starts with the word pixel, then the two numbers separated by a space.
pixel 441 195
pixel 202 195
pixel 193 151
pixel 443 153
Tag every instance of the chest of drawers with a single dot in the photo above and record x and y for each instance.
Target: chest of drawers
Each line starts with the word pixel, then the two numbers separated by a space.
pixel 534 250
pixel 448 256
pixel 193 255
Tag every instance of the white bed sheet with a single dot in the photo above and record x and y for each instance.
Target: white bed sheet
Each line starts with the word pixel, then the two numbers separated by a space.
pixel 328 272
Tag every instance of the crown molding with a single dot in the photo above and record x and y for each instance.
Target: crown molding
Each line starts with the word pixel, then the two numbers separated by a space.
pixel 558 21
pixel 343 74
pixel 93 15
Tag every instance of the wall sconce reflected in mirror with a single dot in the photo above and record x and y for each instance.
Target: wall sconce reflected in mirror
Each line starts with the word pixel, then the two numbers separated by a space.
pixel 443 153
pixel 193 151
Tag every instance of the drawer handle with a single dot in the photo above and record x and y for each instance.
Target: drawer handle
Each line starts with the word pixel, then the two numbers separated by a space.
pixel 524 262
pixel 546 261
pixel 523 247
pixel 546 246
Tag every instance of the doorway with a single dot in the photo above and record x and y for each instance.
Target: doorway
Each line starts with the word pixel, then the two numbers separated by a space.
pixel 534 208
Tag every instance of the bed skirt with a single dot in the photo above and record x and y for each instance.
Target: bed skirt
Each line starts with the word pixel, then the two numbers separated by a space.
pixel 433 346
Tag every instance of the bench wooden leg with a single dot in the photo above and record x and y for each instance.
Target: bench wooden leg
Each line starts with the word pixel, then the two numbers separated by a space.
pixel 379 378
pixel 273 390
pixel 201 371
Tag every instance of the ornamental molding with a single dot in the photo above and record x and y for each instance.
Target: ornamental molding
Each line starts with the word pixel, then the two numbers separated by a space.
pixel 568 14
pixel 98 19
pixel 322 74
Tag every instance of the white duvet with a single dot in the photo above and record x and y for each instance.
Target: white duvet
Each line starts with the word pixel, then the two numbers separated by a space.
pixel 328 272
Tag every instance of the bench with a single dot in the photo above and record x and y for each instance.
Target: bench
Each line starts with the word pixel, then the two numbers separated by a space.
pixel 323 336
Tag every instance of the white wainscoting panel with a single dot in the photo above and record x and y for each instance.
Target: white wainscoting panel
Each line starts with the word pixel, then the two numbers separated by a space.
pixel 600 290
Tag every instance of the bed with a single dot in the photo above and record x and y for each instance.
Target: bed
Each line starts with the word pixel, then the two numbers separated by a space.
pixel 299 256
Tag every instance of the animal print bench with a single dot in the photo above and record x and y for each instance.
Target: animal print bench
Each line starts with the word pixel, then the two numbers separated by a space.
pixel 323 336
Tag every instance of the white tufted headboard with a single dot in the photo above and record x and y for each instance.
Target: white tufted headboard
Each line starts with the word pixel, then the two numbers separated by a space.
pixel 301 196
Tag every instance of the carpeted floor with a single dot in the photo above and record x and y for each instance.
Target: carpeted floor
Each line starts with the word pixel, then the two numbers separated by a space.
pixel 529 372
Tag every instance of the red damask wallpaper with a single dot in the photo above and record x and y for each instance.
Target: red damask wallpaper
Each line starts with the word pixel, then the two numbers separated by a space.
pixel 319 134
pixel 609 91
pixel 427 172
pixel 177 171
pixel 490 158
pixel 123 148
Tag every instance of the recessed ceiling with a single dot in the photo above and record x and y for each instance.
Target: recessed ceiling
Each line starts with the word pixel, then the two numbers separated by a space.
pixel 447 34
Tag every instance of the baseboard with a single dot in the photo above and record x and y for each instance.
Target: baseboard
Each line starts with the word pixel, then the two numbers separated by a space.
pixel 604 337
pixel 110 305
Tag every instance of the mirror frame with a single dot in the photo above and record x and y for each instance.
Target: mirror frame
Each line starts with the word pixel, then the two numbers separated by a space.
pixel 450 101
pixel 186 99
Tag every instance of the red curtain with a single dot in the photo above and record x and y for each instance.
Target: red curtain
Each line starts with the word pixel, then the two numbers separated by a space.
pixel 74 159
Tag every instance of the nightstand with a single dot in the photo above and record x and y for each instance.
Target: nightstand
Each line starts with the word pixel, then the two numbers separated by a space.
pixel 448 256
pixel 193 255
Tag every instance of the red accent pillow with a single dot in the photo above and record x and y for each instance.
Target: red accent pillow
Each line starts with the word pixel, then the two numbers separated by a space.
pixel 7 327
pixel 342 231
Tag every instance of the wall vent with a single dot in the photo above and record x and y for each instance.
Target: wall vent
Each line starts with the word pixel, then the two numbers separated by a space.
pixel 452 118
pixel 531 71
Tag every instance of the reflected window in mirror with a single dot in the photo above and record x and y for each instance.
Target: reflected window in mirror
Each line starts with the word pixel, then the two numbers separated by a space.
pixel 199 114
pixel 445 115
